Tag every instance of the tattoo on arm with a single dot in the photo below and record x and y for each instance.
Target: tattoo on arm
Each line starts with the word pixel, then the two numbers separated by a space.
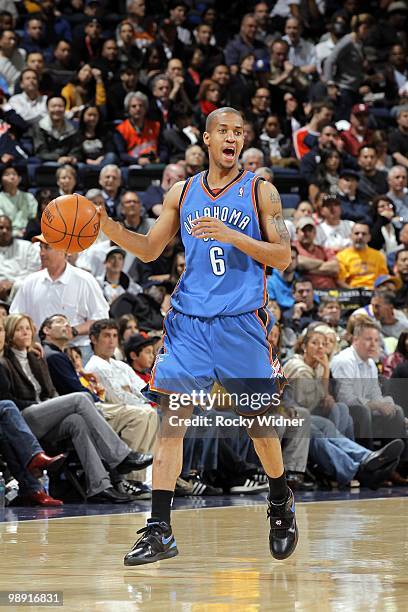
pixel 277 218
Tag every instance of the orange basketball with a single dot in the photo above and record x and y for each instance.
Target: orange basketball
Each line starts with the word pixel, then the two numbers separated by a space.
pixel 70 223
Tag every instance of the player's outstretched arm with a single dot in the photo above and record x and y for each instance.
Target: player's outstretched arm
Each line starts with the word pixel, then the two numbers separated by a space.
pixel 149 247
pixel 273 250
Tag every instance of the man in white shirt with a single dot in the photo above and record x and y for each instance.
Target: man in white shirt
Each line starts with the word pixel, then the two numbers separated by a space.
pixel 333 232
pixel 29 104
pixel 357 385
pixel 122 389
pixel 301 52
pixel 18 258
pixel 12 59
pixel 61 288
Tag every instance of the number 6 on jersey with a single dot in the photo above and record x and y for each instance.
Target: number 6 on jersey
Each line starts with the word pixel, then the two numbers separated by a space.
pixel 217 261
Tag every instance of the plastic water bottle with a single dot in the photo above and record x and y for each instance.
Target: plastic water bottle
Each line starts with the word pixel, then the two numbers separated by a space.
pixel 2 491
pixel 45 482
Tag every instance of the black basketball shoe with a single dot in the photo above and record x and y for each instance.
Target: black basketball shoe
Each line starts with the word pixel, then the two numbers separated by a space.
pixel 156 543
pixel 283 536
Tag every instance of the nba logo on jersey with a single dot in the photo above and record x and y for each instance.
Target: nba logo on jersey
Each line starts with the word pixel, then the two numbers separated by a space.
pixel 241 192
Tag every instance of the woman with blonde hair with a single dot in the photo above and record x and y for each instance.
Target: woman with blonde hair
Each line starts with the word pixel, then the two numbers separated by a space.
pixel 25 379
pixel 310 372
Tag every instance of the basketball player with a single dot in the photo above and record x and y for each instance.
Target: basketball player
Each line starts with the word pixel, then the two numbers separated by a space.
pixel 232 228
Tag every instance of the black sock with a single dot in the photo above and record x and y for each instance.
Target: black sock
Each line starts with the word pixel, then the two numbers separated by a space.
pixel 278 489
pixel 161 505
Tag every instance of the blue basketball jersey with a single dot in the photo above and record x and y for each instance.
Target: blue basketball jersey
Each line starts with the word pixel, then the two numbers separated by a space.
pixel 219 279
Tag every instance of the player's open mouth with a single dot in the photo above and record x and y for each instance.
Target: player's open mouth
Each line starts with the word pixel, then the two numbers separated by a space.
pixel 229 152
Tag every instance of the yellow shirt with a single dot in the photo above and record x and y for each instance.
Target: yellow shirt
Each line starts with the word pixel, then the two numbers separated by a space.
pixel 361 268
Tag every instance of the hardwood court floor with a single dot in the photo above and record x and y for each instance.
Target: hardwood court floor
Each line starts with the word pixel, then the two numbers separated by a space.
pixel 352 555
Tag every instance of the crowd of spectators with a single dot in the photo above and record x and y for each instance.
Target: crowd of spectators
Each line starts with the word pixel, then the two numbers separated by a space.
pixel 110 100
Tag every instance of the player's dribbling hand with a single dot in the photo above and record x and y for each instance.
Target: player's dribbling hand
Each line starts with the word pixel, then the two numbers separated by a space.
pixel 103 216
pixel 210 227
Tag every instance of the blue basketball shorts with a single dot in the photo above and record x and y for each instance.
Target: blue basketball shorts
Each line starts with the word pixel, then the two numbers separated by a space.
pixel 231 350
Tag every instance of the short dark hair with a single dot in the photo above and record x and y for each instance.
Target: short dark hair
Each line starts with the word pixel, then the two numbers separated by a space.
pixel 23 72
pixel 387 296
pixel 47 323
pixel 397 254
pixel 297 281
pixel 214 115
pixel 52 96
pixel 98 326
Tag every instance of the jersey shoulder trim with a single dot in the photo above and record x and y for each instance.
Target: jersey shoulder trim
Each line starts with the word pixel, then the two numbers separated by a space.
pixel 255 194
pixel 184 191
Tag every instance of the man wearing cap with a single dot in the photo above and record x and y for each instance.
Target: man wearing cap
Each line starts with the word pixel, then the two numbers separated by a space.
pixel 360 265
pixel 358 134
pixel 352 208
pixel 59 287
pixel 140 355
pixel 116 281
pixel 314 261
pixel 333 233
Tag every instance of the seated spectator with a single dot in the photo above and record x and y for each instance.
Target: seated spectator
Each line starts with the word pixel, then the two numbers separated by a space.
pixel 221 75
pixel 304 310
pixel 137 138
pixel 94 142
pixel 399 356
pixel 392 322
pixel 90 382
pixel 244 83
pixel 127 327
pixel 302 53
pixel 352 208
pixel 333 233
pixel 344 460
pixel 321 115
pixel 212 53
pixel 303 209
pixel 129 53
pixel 327 174
pixel 110 179
pixel 4 310
pixel 276 147
pixel 182 134
pixel 357 386
pixel 54 136
pixel 358 135
pixel 12 59
pixel 161 103
pixel 401 272
pixel 86 88
pixel 35 38
pixel 157 270
pixel 398 141
pixel 135 422
pixel 144 26
pixel 62 69
pixel 19 206
pixel 88 41
pixel 31 105
pixel 107 62
pixel 279 284
pixel 43 197
pixel 66 179
pixel 372 181
pixel 384 235
pixel 398 191
pixel 134 218
pixel 24 454
pixel 154 62
pixel 81 299
pixel 25 380
pixel 209 95
pixel 329 312
pixel 309 372
pixel 140 355
pixel 122 385
pixel 246 42
pixel 359 264
pixel 18 258
pixel 314 261
pixel 116 281
pixel 154 195
pixel 265 173
pixel 195 160
pixel 147 307
pixel 260 108
pixel 129 81
pixel 327 140
pixel 252 159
